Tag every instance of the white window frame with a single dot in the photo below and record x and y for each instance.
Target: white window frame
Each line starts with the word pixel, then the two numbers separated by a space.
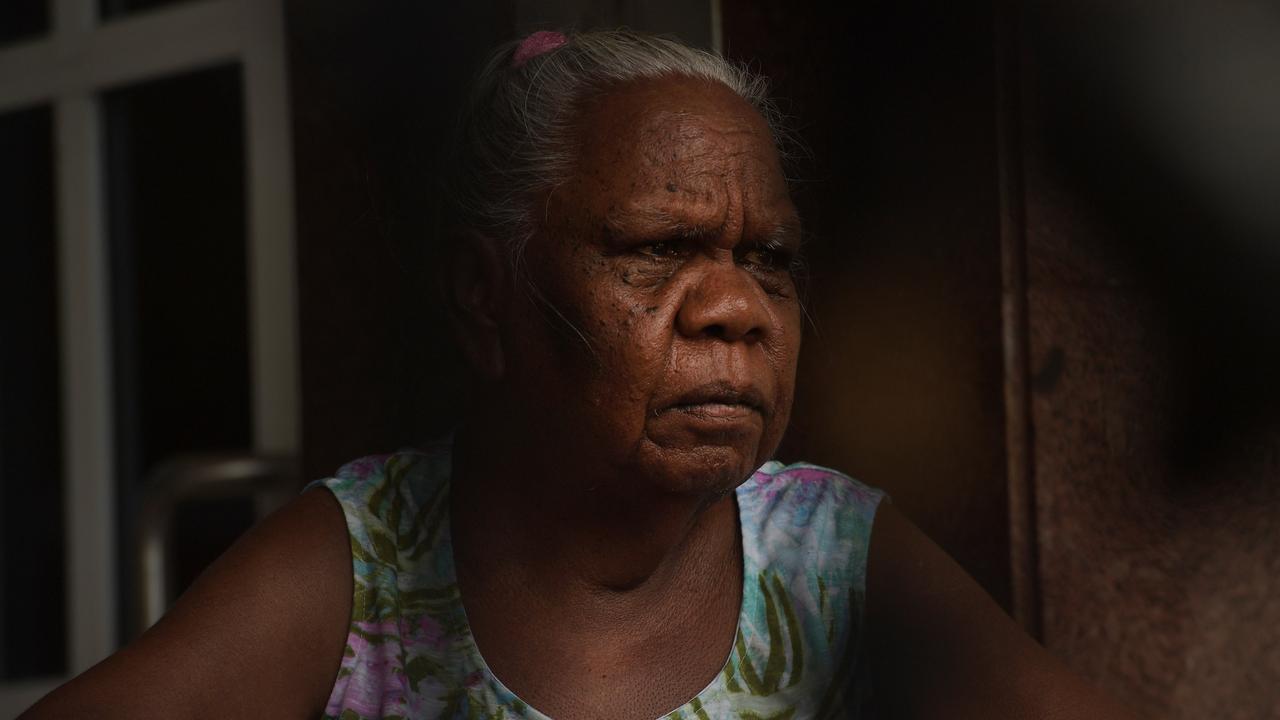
pixel 68 69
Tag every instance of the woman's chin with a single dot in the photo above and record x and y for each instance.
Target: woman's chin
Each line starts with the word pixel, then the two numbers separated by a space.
pixel 699 469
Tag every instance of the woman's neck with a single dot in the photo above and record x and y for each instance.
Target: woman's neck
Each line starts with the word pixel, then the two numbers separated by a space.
pixel 586 606
pixel 570 542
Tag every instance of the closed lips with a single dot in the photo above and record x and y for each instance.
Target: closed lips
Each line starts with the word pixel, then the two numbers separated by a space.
pixel 719 399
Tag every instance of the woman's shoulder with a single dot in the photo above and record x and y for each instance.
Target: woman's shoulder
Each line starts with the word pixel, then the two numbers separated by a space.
pixel 262 628
pixel 808 519
pixel 417 472
pixel 414 467
pixel 805 487
pixel 394 503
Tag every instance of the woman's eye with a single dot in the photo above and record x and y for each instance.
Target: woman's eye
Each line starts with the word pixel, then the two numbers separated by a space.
pixel 662 249
pixel 769 258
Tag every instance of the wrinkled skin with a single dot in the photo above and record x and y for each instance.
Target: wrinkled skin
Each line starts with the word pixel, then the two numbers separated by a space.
pixel 663 267
pixel 638 368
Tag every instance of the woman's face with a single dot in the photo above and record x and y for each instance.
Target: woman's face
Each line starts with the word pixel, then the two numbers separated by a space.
pixel 657 326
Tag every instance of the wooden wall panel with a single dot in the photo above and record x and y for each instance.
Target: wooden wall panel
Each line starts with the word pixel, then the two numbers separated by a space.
pixel 1156 433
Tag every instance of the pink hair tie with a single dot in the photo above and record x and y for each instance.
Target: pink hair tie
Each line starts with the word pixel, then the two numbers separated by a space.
pixel 543 41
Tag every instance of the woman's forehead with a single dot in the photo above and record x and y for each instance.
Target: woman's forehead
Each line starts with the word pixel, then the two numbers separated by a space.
pixel 678 143
pixel 662 120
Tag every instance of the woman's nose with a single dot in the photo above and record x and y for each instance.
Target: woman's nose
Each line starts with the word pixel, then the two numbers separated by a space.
pixel 724 303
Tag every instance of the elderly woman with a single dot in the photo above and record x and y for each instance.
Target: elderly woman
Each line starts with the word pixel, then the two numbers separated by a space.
pixel 605 535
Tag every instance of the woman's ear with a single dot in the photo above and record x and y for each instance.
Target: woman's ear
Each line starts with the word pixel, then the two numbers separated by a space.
pixel 474 285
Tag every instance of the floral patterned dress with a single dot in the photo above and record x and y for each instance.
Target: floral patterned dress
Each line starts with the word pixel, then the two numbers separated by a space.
pixel 410 653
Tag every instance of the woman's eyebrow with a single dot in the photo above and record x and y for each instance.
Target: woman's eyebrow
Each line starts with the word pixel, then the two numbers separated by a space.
pixel 654 222
pixel 659 223
pixel 787 233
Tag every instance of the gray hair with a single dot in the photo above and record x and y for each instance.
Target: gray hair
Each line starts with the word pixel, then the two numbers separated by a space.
pixel 516 134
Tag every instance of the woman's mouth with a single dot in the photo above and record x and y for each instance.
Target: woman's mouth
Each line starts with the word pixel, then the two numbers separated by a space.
pixel 716 410
pixel 718 401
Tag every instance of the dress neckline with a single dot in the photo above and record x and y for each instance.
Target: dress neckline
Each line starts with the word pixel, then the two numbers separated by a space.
pixel 524 709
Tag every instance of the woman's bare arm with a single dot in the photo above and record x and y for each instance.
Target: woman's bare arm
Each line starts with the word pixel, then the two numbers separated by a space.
pixel 941 647
pixel 261 633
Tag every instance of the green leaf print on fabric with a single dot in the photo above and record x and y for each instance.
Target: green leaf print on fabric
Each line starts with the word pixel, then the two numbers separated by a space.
pixel 824 609
pixel 452 703
pixel 371 638
pixel 793 632
pixel 425 529
pixel 779 614
pixel 358 550
pixel 777 661
pixel 369 603
pixel 475 707
pixel 429 600
pixel 730 682
pixel 695 707
pixel 360 603
pixel 393 517
pixel 782 715
pixel 383 545
pixel 745 666
pixel 375 498
pixel 417 669
pixel 833 699
pixel 477 710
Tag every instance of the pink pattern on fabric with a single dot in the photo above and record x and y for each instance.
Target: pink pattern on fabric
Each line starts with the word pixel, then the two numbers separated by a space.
pixel 431 632
pixel 809 475
pixel 368 466
pixel 543 41
pixel 375 682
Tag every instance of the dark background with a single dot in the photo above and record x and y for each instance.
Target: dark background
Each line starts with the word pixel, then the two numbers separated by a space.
pixel 1045 266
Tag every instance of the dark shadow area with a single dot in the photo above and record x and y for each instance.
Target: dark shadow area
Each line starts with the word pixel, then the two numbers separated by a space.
pixel 1166 124
pixel 376 90
pixel 900 380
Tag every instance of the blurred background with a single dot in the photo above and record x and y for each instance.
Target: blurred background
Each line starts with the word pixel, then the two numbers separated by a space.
pixel 1045 251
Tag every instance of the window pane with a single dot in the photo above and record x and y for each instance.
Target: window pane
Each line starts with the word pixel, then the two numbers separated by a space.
pixel 23 20
pixel 108 9
pixel 176 226
pixel 32 605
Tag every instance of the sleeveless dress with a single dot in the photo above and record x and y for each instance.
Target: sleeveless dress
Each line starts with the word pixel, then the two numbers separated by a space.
pixel 797 654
